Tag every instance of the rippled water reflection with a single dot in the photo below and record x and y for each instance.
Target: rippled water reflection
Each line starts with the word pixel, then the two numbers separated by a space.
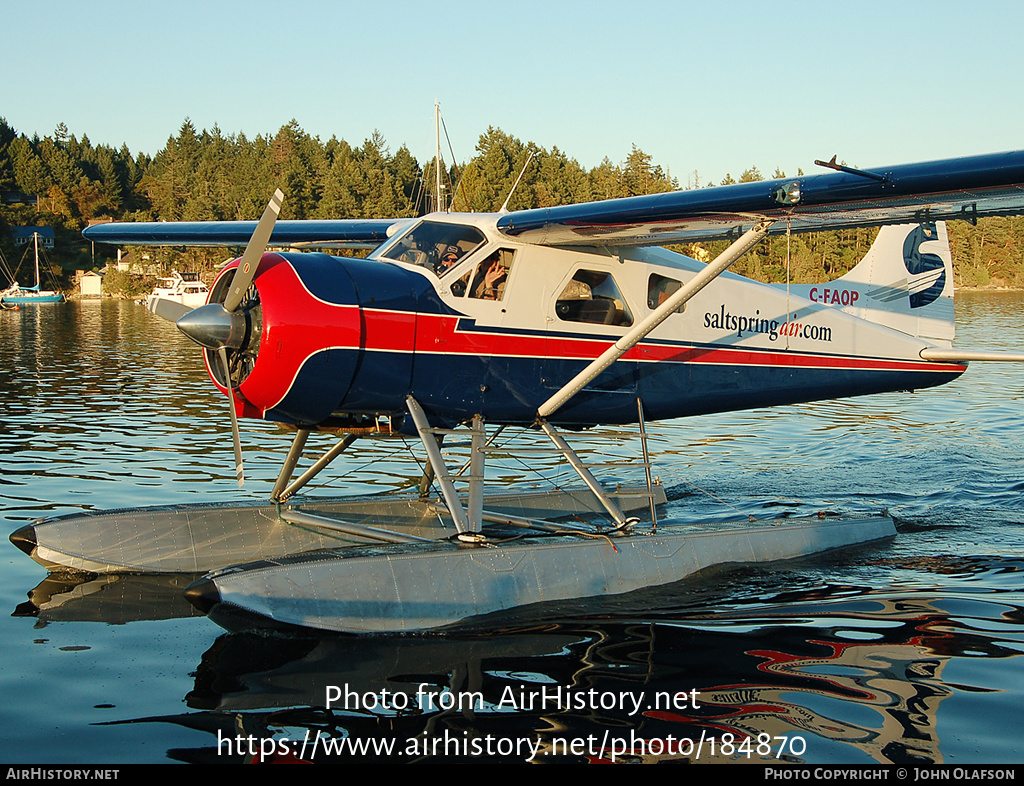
pixel 896 653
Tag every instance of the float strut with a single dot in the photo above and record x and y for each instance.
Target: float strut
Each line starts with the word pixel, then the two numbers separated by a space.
pixel 340 447
pixel 647 463
pixel 476 474
pixel 609 504
pixel 444 479
pixel 428 471
pixel 294 454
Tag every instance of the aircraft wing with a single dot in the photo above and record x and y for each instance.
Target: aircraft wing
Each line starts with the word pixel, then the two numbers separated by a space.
pixel 349 233
pixel 958 188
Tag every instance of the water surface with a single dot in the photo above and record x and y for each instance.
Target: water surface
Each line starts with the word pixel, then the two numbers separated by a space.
pixel 901 652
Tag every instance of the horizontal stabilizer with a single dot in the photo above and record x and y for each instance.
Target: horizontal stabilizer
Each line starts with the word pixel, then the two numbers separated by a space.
pixel 967 355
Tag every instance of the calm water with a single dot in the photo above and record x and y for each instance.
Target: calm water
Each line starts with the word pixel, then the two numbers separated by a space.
pixel 905 652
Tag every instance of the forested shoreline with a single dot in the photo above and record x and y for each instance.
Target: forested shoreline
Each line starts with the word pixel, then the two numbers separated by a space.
pixel 67 182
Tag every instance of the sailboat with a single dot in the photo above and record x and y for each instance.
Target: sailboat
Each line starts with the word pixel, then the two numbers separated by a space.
pixel 19 295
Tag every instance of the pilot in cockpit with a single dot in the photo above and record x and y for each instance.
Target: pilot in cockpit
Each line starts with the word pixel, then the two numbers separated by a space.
pixel 449 258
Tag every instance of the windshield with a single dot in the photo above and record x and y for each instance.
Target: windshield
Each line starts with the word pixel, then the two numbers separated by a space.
pixel 434 245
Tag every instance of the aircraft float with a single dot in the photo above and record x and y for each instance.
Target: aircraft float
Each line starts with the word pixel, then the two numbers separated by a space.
pixel 550 320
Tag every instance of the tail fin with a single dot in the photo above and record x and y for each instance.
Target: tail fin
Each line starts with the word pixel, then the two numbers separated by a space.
pixel 904 282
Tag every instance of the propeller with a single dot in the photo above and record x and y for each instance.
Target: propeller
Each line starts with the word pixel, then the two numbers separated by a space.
pixel 222 353
pixel 250 260
pixel 169 309
pixel 222 326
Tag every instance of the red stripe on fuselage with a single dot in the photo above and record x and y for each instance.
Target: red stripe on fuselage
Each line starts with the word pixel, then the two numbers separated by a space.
pixel 440 334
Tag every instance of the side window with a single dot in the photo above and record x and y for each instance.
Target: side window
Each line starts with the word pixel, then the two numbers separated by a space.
pixel 660 289
pixel 492 275
pixel 592 296
pixel 459 287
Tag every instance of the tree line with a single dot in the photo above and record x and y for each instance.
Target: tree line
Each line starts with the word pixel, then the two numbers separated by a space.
pixel 210 175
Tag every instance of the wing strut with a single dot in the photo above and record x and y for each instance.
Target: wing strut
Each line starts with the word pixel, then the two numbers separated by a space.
pixel 721 263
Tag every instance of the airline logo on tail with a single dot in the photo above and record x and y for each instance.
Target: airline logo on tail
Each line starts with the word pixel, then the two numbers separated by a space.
pixel 904 282
pixel 927 271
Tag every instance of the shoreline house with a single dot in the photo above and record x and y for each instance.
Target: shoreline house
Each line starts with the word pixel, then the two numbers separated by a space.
pixel 23 236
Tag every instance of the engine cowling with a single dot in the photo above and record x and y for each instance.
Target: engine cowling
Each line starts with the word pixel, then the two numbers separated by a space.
pixel 304 348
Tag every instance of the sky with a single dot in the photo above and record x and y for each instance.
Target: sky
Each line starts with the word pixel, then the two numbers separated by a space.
pixel 711 88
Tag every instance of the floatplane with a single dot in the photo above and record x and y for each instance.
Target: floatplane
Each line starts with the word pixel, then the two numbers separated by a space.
pixel 551 320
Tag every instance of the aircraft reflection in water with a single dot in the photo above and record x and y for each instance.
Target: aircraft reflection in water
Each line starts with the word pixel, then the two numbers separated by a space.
pixel 111 598
pixel 817 692
pixel 866 675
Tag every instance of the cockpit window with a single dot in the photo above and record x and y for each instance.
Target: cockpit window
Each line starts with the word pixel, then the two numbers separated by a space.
pixel 431 244
pixel 592 296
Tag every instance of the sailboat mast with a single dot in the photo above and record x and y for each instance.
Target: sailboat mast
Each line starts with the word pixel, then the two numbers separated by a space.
pixel 437 156
pixel 35 237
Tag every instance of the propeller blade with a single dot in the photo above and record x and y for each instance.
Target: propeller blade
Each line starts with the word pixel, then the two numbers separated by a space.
pixel 250 260
pixel 170 310
pixel 222 353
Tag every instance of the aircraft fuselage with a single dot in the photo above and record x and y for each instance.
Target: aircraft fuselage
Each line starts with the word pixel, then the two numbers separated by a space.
pixel 498 326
